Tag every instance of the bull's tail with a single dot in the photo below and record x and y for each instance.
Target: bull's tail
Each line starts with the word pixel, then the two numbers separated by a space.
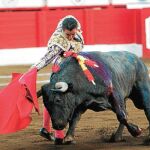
pixel 39 93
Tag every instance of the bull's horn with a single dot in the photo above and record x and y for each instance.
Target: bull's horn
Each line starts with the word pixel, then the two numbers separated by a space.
pixel 62 86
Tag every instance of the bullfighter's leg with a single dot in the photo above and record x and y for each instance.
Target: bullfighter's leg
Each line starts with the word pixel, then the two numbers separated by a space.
pixel 118 103
pixel 69 139
pixel 46 131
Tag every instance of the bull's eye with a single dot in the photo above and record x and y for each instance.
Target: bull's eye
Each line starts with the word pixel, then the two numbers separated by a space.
pixel 58 100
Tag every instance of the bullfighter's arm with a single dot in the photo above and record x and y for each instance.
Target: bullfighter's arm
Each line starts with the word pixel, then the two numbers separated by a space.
pixel 53 52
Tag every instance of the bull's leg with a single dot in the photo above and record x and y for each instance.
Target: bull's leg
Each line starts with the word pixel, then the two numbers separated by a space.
pixel 119 106
pixel 117 136
pixel 141 98
pixel 147 141
pixel 145 90
pixel 69 138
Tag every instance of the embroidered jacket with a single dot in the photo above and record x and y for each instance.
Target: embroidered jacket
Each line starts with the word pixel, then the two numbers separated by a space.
pixel 58 43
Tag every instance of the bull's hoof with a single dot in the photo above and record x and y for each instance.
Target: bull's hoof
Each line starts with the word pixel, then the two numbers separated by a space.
pixel 68 140
pixel 115 138
pixel 134 130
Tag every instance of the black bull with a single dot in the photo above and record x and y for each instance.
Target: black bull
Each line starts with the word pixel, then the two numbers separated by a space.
pixel 69 94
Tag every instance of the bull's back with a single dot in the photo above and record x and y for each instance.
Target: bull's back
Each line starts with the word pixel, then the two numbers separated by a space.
pixel 115 57
pixel 121 62
pixel 125 68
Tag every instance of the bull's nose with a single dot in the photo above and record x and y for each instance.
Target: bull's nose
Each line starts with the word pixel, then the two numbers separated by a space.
pixel 59 125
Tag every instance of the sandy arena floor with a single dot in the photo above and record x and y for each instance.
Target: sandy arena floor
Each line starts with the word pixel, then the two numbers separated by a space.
pixel 92 132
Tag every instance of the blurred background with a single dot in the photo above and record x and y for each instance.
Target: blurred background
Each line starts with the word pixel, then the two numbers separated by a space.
pixel 26 26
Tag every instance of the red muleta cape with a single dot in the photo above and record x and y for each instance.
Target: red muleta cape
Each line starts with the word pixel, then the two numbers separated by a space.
pixel 17 101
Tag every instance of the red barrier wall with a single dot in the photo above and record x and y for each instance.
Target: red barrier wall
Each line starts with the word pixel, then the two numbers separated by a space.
pixel 18 29
pixel 115 26
pixel 106 26
pixel 33 28
pixel 110 25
